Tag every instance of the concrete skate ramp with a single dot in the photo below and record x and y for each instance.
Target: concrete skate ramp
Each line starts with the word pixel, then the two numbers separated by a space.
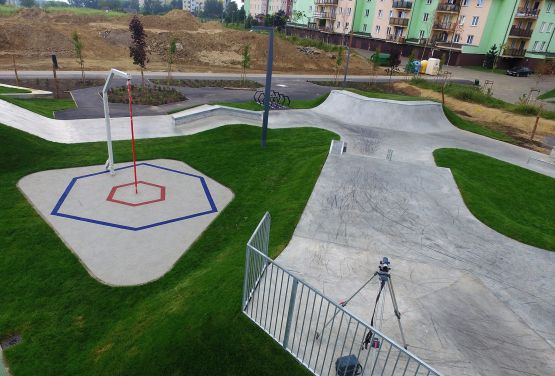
pixel 408 116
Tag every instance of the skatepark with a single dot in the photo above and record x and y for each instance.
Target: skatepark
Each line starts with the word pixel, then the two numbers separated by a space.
pixel 474 302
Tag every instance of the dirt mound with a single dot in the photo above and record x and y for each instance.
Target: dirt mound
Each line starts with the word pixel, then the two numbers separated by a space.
pixel 33 34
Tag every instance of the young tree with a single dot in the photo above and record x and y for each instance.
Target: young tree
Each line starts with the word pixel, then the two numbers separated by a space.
pixel 213 9
pixel 338 62
pixel 172 48
pixel 78 48
pixel 280 19
pixel 375 62
pixel 137 49
pixel 245 62
pixel 241 14
pixel 409 68
pixel 491 56
pixel 230 14
pixel 27 3
pixel 394 61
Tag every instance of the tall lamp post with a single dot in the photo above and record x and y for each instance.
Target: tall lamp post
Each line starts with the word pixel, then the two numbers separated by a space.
pixel 268 86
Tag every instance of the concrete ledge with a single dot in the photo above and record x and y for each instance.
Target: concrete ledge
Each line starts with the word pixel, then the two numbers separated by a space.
pixel 206 111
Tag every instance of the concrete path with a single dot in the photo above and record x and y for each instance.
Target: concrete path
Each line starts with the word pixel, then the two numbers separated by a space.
pixel 474 302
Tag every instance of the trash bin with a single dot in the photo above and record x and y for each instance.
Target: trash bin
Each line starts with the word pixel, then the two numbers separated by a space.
pixel 477 82
pixel 348 366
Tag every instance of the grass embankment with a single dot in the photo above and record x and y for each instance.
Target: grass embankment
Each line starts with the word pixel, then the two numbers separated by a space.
pixel 187 322
pixel 514 201
pixel 42 106
pixel 547 95
pixel 297 104
pixel 473 94
pixel 12 90
pixel 8 10
pixel 474 127
pixel 250 84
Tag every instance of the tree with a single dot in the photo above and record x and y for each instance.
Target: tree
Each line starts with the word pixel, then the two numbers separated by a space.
pixel 137 49
pixel 213 9
pixel 27 3
pixel 78 48
pixel 245 62
pixel 230 14
pixel 410 67
pixel 375 62
pixel 241 14
pixel 338 62
pixel 248 22
pixel 279 20
pixel 491 56
pixel 172 48
pixel 152 7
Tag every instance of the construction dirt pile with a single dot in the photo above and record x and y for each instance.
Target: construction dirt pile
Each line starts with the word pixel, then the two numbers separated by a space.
pixel 32 35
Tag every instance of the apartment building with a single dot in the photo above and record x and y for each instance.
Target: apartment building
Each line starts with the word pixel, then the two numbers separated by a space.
pixel 459 30
pixel 263 7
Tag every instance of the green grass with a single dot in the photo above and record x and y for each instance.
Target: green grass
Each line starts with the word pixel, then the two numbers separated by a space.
pixel 42 106
pixel 187 322
pixel 85 11
pixel 473 94
pixel 474 127
pixel 547 94
pixel 8 10
pixel 482 69
pixel 392 96
pixel 12 90
pixel 307 42
pixel 514 201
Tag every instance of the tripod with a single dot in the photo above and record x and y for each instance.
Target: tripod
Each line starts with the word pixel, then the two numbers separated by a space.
pixel 384 275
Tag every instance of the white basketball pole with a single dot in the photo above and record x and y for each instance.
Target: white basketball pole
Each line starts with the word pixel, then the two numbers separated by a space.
pixel 113 72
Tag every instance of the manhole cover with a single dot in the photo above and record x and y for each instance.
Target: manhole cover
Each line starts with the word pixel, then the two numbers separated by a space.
pixel 11 341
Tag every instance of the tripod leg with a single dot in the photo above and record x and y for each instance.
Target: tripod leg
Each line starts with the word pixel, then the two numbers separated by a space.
pixel 396 310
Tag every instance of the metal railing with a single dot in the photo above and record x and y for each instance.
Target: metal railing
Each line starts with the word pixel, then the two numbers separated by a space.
pixel 444 26
pixel 516 52
pixel 449 8
pixel 399 21
pixel 402 4
pixel 324 15
pixel 326 2
pixel 527 13
pixel 395 39
pixel 520 32
pixel 310 326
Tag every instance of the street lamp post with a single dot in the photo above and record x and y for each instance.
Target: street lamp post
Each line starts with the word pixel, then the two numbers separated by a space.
pixel 268 85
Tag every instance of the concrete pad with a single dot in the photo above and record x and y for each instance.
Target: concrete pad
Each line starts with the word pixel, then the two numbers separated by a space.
pixel 123 237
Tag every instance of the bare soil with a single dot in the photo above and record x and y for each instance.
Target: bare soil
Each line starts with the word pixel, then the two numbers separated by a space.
pixel 517 126
pixel 32 35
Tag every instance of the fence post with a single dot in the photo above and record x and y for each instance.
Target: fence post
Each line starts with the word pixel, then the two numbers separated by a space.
pixel 290 312
pixel 246 277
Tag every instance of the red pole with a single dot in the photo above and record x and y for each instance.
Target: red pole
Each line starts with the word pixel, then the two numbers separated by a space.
pixel 132 134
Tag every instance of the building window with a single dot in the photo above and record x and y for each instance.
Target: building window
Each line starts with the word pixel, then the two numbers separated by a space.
pixel 428 2
pixel 377 29
pixel 548 6
pixel 461 20
pixel 388 31
pixel 310 8
pixel 465 3
pixel 469 39
pixel 364 28
pixel 340 10
pixel 542 28
pixel 550 27
pixel 535 47
pixel 380 13
pixel 421 34
pixel 479 3
pixel 390 13
pixel 338 24
pixel 348 10
pixel 542 46
pixel 475 20
pixel 426 15
pixel 366 12
pixel 457 38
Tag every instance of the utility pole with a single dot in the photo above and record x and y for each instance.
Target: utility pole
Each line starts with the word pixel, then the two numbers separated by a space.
pixel 268 85
pixel 348 58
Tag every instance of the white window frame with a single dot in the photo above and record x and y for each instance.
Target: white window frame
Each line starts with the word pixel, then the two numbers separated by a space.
pixel 542 46
pixel 367 13
pixel 475 20
pixel 421 34
pixel 462 18
pixel 469 39
pixel 464 3
pixel 428 2
pixel 548 6
pixel 364 28
pixel 378 29
pixel 479 3
pixel 456 38
pixel 425 17
pixel 380 13
pixel 542 27
pixel 535 47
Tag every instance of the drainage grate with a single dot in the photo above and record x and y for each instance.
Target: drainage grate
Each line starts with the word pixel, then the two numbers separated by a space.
pixel 11 341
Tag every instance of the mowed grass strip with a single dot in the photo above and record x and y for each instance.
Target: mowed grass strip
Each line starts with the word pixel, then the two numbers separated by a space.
pixel 189 322
pixel 512 200
pixel 42 106
pixel 12 90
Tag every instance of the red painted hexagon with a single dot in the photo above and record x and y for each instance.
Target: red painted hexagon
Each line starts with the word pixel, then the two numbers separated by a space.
pixel 148 193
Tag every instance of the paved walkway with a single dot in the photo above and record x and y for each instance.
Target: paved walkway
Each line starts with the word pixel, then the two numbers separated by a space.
pixel 474 302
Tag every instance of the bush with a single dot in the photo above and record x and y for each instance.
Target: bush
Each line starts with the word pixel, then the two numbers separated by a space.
pixel 526 109
pixel 148 95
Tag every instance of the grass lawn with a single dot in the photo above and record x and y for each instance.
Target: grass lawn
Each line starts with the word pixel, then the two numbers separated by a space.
pixel 187 322
pixel 295 104
pixel 42 106
pixel 8 10
pixel 474 127
pixel 547 95
pixel 12 90
pixel 85 11
pixel 514 201
pixel 392 96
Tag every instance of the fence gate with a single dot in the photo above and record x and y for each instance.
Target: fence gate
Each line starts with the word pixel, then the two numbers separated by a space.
pixel 294 313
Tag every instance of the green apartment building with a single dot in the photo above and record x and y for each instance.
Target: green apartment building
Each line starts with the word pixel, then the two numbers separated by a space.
pixel 462 31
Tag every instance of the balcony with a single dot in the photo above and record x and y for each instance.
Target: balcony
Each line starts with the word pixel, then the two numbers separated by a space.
pixel 527 13
pixel 444 26
pixel 326 2
pixel 402 4
pixel 324 15
pixel 395 39
pixel 399 21
pixel 449 45
pixel 448 8
pixel 520 32
pixel 514 52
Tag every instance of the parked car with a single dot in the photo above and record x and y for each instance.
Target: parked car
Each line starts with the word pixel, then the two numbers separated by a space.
pixel 519 72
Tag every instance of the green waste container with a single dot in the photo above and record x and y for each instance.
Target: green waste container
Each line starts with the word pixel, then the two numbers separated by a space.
pixel 382 58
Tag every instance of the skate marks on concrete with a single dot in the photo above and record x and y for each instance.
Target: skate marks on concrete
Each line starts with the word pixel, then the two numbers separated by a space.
pixel 470 304
pixel 123 237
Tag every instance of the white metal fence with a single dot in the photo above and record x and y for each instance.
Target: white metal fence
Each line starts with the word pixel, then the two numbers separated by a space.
pixel 313 328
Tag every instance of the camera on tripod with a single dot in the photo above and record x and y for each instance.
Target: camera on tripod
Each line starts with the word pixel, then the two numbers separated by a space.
pixel 385 265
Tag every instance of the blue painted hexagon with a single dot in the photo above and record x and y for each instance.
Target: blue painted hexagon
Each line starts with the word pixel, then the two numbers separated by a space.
pixel 61 212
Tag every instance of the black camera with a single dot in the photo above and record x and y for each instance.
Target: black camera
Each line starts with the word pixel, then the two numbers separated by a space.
pixel 385 265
